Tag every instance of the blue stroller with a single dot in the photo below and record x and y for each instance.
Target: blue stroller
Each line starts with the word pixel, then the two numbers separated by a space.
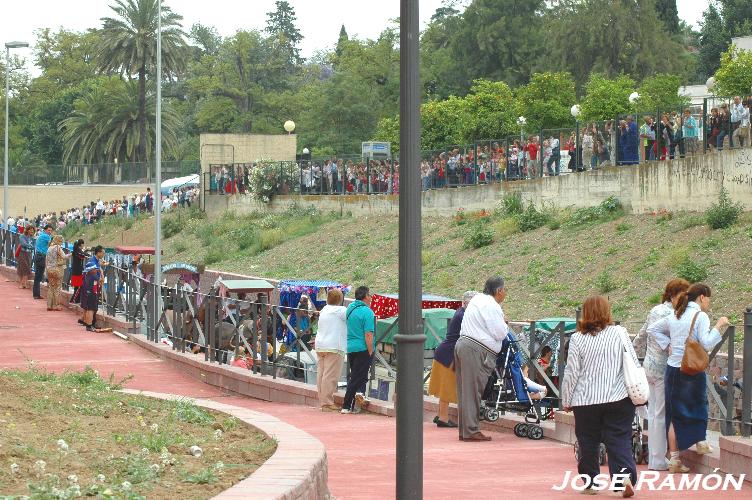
pixel 507 390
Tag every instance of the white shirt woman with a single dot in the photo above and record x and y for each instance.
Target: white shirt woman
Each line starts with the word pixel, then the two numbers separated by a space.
pixel 331 347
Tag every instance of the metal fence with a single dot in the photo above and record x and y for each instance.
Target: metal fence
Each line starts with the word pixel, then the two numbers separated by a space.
pixel 628 139
pixel 190 320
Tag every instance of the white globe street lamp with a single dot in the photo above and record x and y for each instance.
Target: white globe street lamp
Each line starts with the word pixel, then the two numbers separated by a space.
pixel 305 151
pixel 576 111
pixel 289 126
pixel 710 84
pixel 633 97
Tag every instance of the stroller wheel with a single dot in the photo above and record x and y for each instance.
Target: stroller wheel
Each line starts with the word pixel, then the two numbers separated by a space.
pixel 602 454
pixel 492 414
pixel 637 451
pixel 534 432
pixel 520 430
pixel 577 451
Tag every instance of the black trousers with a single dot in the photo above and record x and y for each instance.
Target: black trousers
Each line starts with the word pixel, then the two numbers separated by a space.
pixel 40 262
pixel 359 363
pixel 610 423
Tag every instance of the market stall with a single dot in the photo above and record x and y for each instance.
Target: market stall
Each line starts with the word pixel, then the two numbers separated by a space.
pixel 435 323
pixel 290 292
pixel 387 305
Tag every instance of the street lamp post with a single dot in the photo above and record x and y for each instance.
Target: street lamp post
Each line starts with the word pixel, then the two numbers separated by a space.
pixel 8 46
pixel 157 204
pixel 289 126
pixel 410 339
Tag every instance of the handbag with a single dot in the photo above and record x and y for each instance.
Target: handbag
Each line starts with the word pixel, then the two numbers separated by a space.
pixel 634 376
pixel 695 359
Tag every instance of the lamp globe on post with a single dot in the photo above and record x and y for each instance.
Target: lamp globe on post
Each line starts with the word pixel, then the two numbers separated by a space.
pixel 633 97
pixel 289 126
pixel 710 83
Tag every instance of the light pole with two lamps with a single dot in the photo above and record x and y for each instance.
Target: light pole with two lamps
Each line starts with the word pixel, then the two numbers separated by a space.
pixel 8 46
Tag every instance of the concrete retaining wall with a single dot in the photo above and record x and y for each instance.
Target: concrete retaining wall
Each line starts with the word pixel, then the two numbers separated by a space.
pixel 33 200
pixel 691 183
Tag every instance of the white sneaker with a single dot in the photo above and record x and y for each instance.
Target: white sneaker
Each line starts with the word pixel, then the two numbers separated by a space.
pixel 354 411
pixel 676 467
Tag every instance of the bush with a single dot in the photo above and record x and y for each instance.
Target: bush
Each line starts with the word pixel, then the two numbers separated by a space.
pixel 531 218
pixel 724 213
pixel 179 247
pixel 605 282
pixel 480 236
pixel 510 204
pixel 691 220
pixel 271 238
pixel 215 254
pixel 506 227
pixel 171 226
pixel 608 210
pixel 692 271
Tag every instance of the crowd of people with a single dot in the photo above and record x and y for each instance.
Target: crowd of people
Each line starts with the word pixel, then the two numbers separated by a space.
pixel 593 384
pixel 51 258
pixel 591 145
pixel 129 206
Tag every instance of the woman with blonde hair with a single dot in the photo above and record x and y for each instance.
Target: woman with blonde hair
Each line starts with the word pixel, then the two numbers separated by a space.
pixel 56 260
pixel 331 347
pixel 595 389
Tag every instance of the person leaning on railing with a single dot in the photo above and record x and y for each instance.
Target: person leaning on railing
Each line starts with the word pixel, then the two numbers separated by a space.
pixel 686 397
pixel 655 369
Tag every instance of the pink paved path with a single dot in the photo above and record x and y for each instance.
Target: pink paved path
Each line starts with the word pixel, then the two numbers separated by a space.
pixel 360 448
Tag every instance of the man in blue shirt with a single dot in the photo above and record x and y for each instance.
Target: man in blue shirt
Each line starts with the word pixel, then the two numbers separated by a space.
pixel 361 324
pixel 40 259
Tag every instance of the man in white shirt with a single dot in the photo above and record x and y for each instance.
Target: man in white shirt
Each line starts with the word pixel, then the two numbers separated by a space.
pixel 481 334
pixel 737 111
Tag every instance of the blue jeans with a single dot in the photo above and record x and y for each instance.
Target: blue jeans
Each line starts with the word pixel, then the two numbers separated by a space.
pixel 40 262
pixel 719 140
pixel 551 160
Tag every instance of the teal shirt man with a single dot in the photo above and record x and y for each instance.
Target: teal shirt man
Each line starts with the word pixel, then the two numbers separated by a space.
pixel 361 324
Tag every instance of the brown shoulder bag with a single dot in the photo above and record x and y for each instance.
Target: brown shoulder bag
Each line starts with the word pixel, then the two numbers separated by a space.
pixel 695 359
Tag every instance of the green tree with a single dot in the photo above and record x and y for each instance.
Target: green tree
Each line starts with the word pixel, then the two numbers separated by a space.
pixel 660 92
pixel 216 114
pixel 714 40
pixel 612 38
pixel 547 100
pixel 129 46
pixel 668 14
pixel 499 40
pixel 734 76
pixel 722 20
pixel 284 35
pixel 606 98
pixel 105 124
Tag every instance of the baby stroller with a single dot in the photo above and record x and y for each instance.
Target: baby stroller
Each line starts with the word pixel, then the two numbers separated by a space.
pixel 639 446
pixel 507 390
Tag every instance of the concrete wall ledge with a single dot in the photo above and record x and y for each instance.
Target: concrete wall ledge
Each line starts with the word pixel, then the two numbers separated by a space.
pixel 296 470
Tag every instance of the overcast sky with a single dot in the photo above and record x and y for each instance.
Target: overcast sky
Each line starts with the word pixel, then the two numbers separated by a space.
pixel 318 20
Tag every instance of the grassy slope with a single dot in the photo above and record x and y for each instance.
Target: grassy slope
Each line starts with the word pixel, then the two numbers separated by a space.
pixel 548 271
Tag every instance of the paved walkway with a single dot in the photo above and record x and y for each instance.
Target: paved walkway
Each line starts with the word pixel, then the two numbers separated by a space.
pixel 360 448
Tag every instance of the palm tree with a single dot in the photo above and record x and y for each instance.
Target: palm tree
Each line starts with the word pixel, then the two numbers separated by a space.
pixel 129 47
pixel 105 124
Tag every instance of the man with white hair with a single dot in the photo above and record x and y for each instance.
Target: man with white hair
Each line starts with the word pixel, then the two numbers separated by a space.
pixel 483 330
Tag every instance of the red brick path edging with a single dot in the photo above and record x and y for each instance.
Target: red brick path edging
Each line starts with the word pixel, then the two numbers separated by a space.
pixel 296 470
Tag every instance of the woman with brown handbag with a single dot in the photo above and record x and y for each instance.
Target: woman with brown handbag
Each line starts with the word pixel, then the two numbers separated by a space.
pixel 687 336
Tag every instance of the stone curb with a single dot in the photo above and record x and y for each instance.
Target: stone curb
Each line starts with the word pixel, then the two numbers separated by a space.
pixel 296 470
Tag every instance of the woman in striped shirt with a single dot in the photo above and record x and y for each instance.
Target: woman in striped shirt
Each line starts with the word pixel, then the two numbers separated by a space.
pixel 594 388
